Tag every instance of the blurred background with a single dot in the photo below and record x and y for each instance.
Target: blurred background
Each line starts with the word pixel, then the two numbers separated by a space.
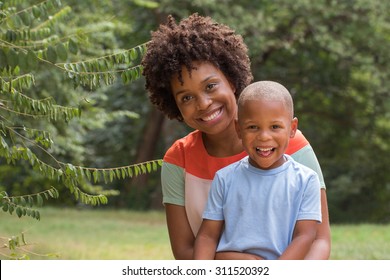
pixel 333 56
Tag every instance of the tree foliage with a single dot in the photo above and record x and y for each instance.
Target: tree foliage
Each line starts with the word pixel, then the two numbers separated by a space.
pixel 34 36
pixel 334 57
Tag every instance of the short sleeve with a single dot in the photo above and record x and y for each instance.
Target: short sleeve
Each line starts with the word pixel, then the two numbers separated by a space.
pixel 172 181
pixel 307 157
pixel 214 206
pixel 310 208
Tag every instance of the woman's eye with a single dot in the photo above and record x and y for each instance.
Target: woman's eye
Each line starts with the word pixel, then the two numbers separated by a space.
pixel 210 86
pixel 186 98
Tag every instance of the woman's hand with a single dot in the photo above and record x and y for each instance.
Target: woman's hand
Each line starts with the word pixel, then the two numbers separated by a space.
pixel 231 255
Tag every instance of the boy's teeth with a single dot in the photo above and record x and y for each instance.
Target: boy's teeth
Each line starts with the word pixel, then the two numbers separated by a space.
pixel 263 150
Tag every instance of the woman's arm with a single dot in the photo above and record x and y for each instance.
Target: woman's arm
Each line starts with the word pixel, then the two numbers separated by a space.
pixel 180 233
pixel 206 241
pixel 320 249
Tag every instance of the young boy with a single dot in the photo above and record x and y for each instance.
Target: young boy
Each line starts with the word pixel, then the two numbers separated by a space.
pixel 266 204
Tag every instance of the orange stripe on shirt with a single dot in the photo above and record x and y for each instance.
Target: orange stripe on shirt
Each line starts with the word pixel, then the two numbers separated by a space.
pixel 298 142
pixel 190 154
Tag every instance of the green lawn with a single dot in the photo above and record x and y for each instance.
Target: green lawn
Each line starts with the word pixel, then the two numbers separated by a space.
pixel 123 235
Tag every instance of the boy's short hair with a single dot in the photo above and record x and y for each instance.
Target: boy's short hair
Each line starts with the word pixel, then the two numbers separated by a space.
pixel 267 90
pixel 195 38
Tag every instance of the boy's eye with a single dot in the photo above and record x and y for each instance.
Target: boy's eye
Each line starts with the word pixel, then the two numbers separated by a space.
pixel 275 126
pixel 252 127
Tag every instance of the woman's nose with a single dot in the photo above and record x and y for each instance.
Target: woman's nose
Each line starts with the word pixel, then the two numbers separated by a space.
pixel 204 102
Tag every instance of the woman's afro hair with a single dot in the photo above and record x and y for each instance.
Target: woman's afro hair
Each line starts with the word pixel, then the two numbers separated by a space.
pixel 195 38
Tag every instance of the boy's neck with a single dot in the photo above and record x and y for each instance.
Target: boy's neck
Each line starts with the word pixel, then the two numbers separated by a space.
pixel 282 160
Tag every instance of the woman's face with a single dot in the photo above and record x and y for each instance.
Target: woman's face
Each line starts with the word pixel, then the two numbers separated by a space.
pixel 205 99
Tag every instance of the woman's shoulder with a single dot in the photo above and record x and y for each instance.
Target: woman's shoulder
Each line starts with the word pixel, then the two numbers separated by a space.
pixel 296 143
pixel 189 143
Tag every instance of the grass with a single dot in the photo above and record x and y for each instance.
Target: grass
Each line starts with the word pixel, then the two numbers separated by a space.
pixel 91 234
pixel 72 234
pixel 361 242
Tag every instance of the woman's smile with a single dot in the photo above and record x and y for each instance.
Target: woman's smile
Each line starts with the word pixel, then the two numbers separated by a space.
pixel 205 98
pixel 212 116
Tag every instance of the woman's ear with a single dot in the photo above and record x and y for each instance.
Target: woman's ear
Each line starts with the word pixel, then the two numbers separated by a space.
pixel 294 127
pixel 233 88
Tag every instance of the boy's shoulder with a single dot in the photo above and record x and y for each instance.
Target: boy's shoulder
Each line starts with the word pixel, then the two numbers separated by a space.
pixel 297 166
pixel 233 167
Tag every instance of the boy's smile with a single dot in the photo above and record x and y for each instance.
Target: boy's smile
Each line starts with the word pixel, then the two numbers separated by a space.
pixel 265 128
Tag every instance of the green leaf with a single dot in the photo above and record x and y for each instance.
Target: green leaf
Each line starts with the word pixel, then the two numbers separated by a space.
pixel 124 77
pixel 95 176
pixel 36 11
pixel 61 51
pixel 112 175
pixel 23 201
pixel 88 174
pixel 133 54
pixel 10 208
pixel 51 54
pixel 3 58
pixel 73 48
pixel 123 173
pixel 154 164
pixel 149 167
pixel 118 173
pixel 30 201
pixel 19 212
pixel 39 200
pixel 12 58
pixel 26 18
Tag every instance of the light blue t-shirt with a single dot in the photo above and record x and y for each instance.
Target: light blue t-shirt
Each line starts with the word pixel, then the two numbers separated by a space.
pixel 261 207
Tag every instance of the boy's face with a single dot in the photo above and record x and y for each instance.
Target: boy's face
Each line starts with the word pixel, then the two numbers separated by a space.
pixel 265 128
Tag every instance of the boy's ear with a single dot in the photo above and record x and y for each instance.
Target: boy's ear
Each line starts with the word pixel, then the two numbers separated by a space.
pixel 294 127
pixel 237 128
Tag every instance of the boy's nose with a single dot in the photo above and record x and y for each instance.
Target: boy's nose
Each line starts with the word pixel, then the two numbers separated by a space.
pixel 263 135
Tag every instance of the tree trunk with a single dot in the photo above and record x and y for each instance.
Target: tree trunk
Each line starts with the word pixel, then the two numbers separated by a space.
pixel 145 152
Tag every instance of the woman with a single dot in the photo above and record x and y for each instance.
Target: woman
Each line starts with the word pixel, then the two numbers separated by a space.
pixel 195 71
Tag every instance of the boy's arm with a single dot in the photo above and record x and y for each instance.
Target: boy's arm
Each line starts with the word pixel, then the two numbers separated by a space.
pixel 304 234
pixel 207 239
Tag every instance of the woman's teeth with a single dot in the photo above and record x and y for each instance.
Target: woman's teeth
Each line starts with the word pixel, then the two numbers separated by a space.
pixel 211 117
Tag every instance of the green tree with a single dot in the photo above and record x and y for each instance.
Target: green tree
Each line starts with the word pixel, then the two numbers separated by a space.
pixel 334 57
pixel 38 39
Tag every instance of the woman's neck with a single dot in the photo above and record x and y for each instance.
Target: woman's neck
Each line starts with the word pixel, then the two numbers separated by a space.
pixel 224 144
